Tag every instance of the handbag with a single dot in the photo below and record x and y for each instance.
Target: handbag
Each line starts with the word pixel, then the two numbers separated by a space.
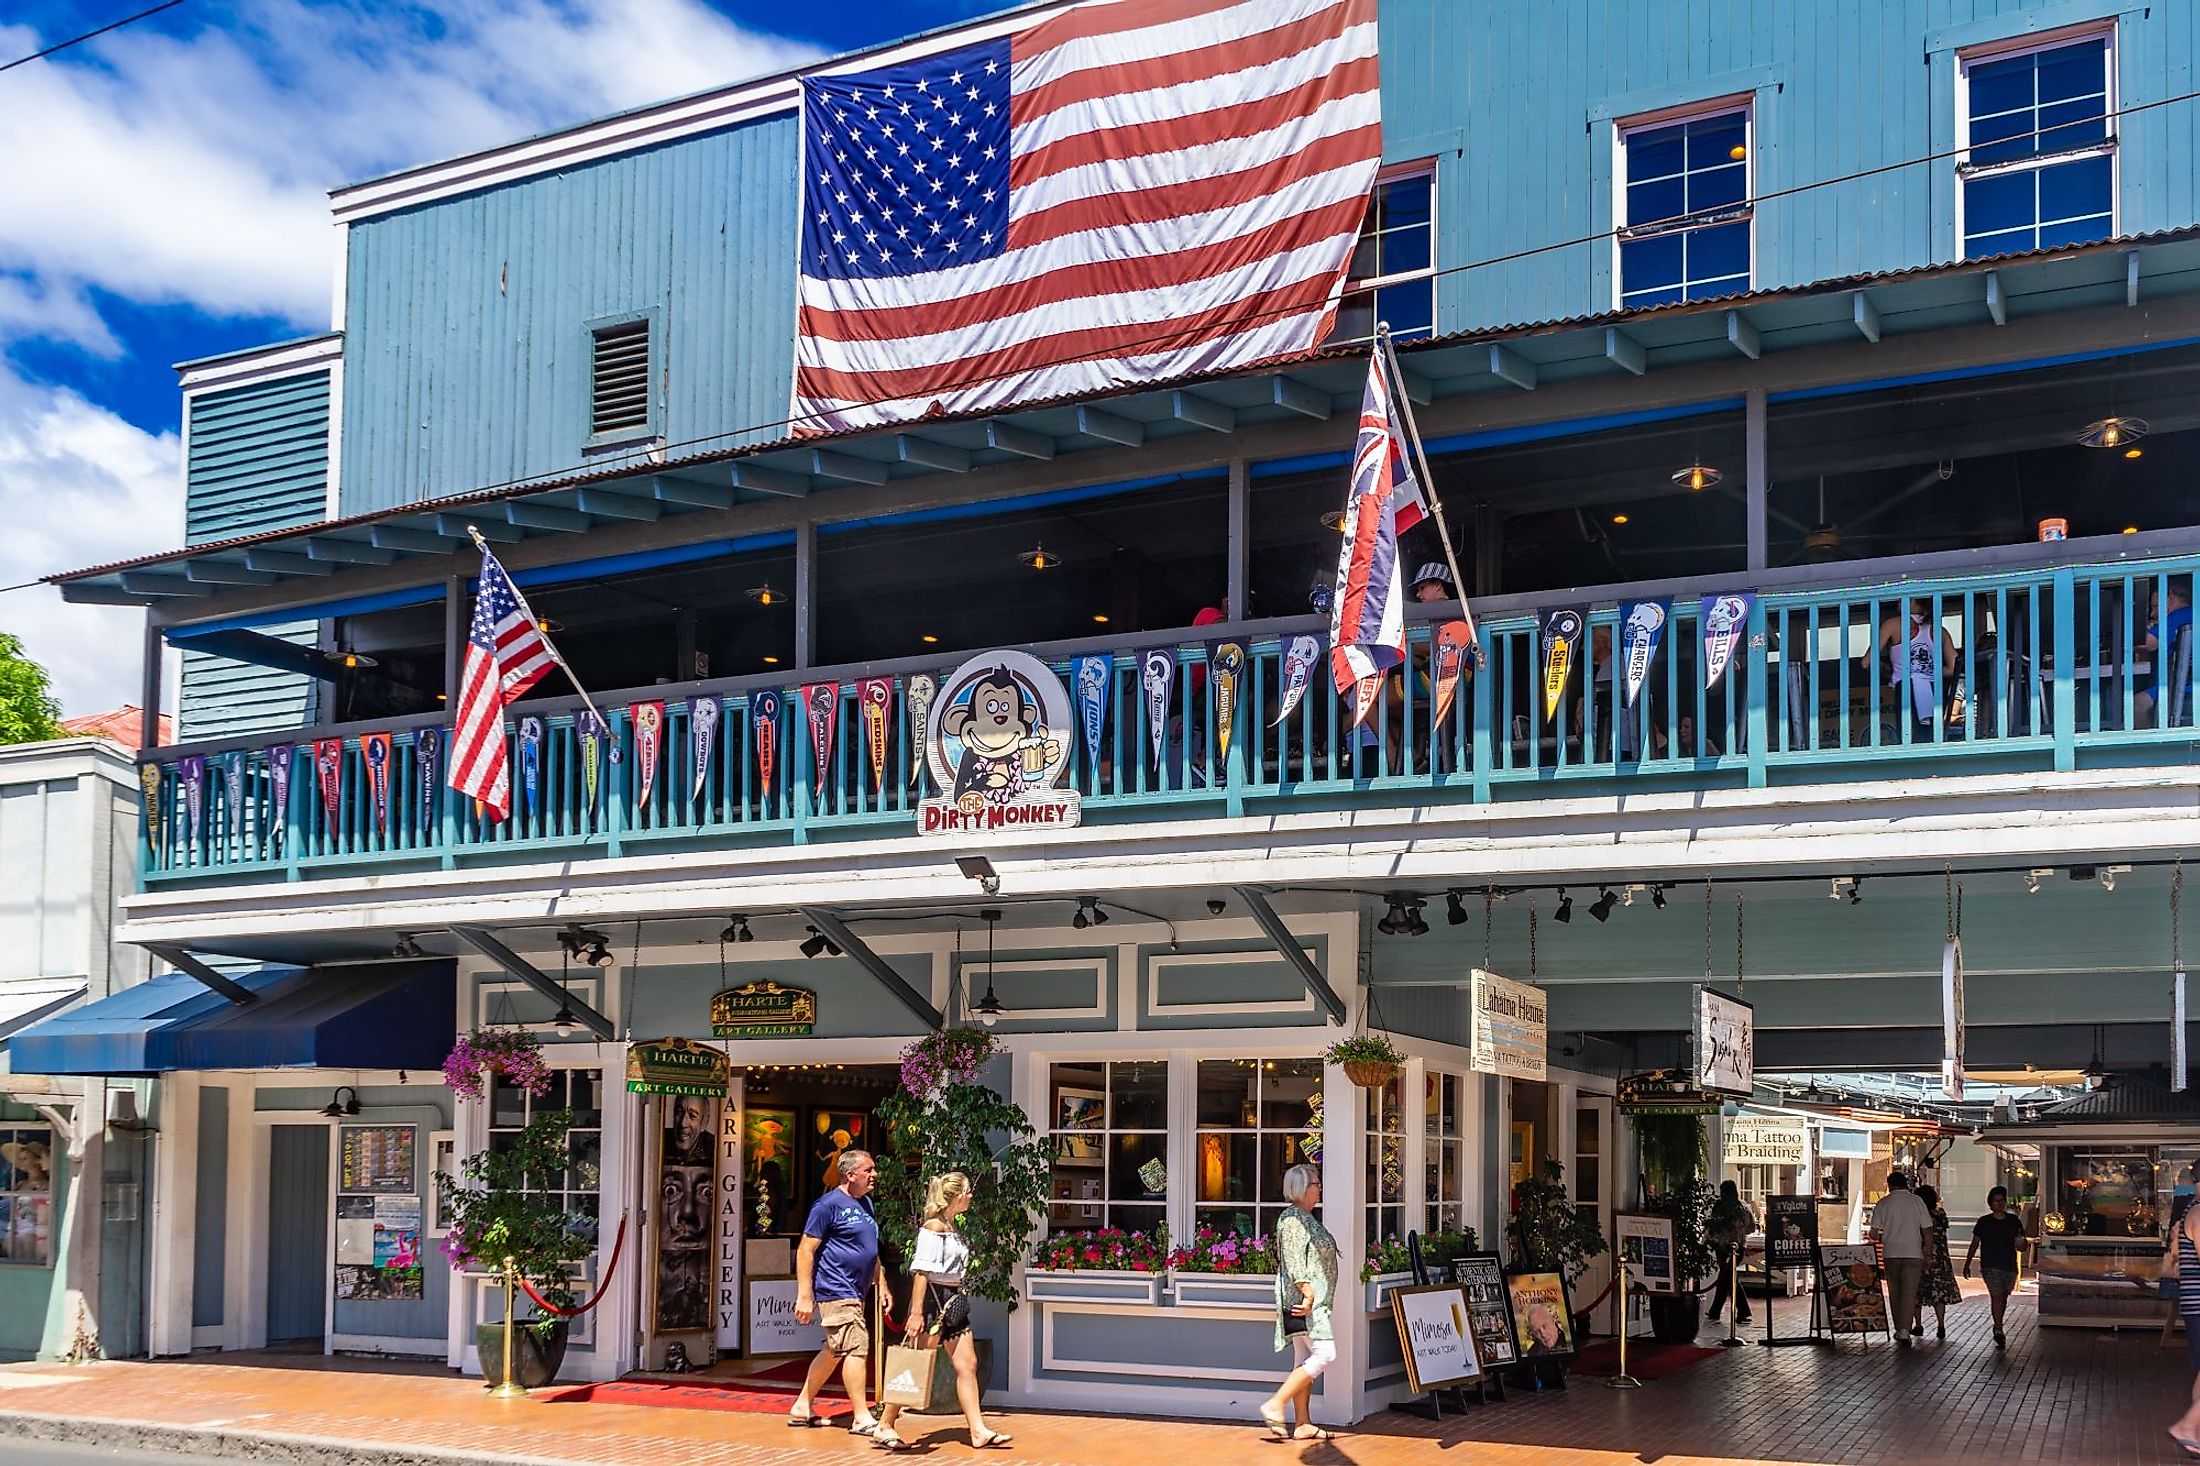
pixel 909 1376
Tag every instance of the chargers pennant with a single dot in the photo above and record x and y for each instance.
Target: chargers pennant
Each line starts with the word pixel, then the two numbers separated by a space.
pixel 875 697
pixel 1641 631
pixel 328 772
pixel 1225 674
pixel 764 712
pixel 427 768
pixel 703 715
pixel 1561 648
pixel 1724 618
pixel 1157 674
pixel 923 687
pixel 1454 641
pixel 374 753
pixel 530 764
pixel 1298 672
pixel 821 700
pixel 1089 679
pixel 191 773
pixel 649 747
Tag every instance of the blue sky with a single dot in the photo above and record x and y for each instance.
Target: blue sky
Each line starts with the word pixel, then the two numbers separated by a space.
pixel 165 200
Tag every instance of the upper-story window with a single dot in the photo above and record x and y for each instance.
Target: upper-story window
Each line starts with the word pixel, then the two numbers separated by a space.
pixel 2039 166
pixel 1394 264
pixel 1685 210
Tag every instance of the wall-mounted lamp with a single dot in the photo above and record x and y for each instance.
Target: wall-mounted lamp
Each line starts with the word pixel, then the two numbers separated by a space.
pixel 338 1107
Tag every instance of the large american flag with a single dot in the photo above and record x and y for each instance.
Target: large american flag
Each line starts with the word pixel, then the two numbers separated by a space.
pixel 1128 191
pixel 506 653
pixel 1367 620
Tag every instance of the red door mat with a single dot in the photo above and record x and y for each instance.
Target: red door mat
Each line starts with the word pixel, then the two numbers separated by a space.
pixel 742 1395
pixel 1645 1360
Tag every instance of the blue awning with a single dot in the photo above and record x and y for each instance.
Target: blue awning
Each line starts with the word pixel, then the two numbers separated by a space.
pixel 364 1015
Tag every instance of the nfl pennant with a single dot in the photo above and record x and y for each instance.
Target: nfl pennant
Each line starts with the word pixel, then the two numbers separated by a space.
pixel 1225 673
pixel 1157 674
pixel 1561 647
pixel 428 768
pixel 593 737
pixel 1454 640
pixel 1089 679
pixel 278 788
pixel 1724 619
pixel 821 700
pixel 764 710
pixel 149 780
pixel 1364 693
pixel 191 773
pixel 875 697
pixel 649 746
pixel 923 687
pixel 374 753
pixel 328 772
pixel 1299 660
pixel 703 714
pixel 233 791
pixel 530 765
pixel 1641 630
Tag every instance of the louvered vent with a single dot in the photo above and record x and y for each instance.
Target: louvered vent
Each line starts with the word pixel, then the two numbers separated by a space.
pixel 620 400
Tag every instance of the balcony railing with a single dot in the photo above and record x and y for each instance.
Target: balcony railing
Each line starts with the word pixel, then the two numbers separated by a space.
pixel 2043 667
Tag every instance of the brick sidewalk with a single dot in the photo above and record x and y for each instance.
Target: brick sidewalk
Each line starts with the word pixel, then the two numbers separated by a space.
pixel 2058 1395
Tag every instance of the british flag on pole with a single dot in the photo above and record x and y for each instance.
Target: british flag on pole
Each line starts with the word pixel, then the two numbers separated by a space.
pixel 1124 192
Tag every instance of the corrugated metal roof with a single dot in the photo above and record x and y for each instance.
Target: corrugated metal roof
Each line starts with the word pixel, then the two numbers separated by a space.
pixel 2125 1099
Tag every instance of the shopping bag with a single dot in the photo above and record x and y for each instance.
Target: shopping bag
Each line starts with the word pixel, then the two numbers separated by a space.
pixel 909 1375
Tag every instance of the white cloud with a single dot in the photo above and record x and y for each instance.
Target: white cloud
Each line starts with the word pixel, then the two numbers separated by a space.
pixel 79 486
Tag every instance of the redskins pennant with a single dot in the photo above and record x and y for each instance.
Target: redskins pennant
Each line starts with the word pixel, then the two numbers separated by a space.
pixel 764 708
pixel 374 752
pixel 1454 639
pixel 875 695
pixel 1561 646
pixel 1225 673
pixel 328 772
pixel 923 687
pixel 703 714
pixel 649 746
pixel 821 700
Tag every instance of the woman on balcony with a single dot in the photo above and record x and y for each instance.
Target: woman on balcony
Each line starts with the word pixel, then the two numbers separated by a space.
pixel 1306 1287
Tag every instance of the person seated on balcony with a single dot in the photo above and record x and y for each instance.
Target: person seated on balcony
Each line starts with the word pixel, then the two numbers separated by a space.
pixel 1906 642
pixel 2166 638
pixel 1686 733
pixel 1431 583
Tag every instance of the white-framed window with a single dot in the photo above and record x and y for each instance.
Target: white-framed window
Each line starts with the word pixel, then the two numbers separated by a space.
pixel 1256 1118
pixel 1444 1151
pixel 26 1194
pixel 1685 211
pixel 2038 137
pixel 1385 1184
pixel 579 1092
pixel 1110 1123
pixel 1393 274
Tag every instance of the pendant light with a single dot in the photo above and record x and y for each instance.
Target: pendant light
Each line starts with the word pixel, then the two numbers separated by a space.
pixel 1037 558
pixel 564 1023
pixel 764 595
pixel 2113 432
pixel 1696 477
pixel 988 1008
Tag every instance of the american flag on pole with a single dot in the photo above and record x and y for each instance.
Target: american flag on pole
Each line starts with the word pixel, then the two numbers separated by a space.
pixel 1367 620
pixel 506 653
pixel 1127 191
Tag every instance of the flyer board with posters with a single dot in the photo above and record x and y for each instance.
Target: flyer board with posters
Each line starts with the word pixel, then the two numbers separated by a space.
pixel 1489 1306
pixel 1855 1301
pixel 1646 1245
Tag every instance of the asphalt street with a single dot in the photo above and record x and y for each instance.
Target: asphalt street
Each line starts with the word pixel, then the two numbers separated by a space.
pixel 19 1452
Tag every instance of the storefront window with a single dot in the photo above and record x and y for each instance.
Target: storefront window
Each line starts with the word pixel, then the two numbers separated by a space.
pixel 1257 1119
pixel 26 1194
pixel 2102 1193
pixel 579 1092
pixel 1386 1160
pixel 1111 1144
pixel 1446 1154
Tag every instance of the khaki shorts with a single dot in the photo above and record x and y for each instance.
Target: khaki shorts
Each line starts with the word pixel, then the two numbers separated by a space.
pixel 845 1334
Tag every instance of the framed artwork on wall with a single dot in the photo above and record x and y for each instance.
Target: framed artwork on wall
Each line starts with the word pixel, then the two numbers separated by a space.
pixel 1080 1120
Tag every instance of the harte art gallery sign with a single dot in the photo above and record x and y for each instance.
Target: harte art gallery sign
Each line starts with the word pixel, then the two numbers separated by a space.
pixel 998 742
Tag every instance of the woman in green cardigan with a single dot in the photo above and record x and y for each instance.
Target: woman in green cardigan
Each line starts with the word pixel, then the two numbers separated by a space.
pixel 1306 1289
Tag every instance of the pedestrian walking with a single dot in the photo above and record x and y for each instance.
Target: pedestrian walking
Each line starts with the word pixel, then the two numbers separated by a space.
pixel 938 1308
pixel 1731 1223
pixel 2186 1432
pixel 1995 1238
pixel 1306 1288
pixel 835 1268
pixel 1904 1230
pixel 1941 1287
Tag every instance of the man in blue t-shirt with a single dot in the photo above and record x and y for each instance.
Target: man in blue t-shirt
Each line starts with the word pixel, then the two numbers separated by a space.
pixel 834 1268
pixel 2162 640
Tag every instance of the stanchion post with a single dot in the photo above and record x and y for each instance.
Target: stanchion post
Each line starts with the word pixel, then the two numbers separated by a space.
pixel 1734 1296
pixel 1623 1380
pixel 509 1388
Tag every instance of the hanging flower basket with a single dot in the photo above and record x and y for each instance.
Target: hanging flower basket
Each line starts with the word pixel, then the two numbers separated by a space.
pixel 1368 1060
pixel 513 1052
pixel 1370 1073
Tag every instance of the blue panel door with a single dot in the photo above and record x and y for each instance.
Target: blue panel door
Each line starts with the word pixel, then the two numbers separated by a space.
pixel 297 1234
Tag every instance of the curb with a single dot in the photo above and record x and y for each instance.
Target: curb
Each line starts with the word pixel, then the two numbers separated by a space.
pixel 229 1444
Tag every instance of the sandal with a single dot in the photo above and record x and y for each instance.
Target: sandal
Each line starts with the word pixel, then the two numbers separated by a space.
pixel 802 1422
pixel 885 1440
pixel 1311 1433
pixel 994 1441
pixel 1275 1424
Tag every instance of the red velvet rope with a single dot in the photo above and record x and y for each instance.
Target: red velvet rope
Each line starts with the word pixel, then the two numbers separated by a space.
pixel 1591 1305
pixel 618 1246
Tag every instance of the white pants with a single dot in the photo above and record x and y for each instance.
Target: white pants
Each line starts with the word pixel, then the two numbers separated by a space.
pixel 1312 1355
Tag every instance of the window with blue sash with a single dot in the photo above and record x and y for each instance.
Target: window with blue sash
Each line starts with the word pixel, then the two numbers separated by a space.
pixel 2039 163
pixel 1685 215
pixel 1393 273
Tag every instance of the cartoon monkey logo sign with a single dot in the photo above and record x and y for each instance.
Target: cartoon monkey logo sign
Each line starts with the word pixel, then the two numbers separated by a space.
pixel 998 739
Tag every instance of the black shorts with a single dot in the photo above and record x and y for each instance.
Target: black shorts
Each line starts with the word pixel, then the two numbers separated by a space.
pixel 946 1311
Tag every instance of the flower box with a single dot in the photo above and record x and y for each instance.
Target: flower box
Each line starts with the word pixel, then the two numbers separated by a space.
pixel 1380 1287
pixel 1091 1285
pixel 1224 1290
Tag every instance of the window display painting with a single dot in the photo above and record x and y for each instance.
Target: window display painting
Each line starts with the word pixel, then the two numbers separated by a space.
pixel 768 1184
pixel 1489 1307
pixel 377 1158
pixel 687 1185
pixel 26 1194
pixel 830 1133
pixel 1646 1245
pixel 1080 1115
pixel 1855 1301
pixel 1543 1325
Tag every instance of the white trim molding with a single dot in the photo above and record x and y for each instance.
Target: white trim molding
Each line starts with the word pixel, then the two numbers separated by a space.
pixel 261 364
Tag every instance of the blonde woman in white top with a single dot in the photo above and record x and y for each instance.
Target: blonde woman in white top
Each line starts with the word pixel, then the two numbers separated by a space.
pixel 937 1306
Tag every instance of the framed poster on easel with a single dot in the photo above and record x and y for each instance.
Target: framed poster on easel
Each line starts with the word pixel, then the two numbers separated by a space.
pixel 1855 1297
pixel 1791 1241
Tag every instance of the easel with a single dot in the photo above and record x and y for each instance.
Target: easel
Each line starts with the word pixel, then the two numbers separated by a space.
pixel 1483 1382
pixel 1817 1306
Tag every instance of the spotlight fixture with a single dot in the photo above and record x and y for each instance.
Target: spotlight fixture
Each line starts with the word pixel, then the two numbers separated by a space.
pixel 1627 895
pixel 2083 872
pixel 584 946
pixel 737 930
pixel 1697 477
pixel 2033 877
pixel 1037 558
pixel 2109 874
pixel 338 1107
pixel 1657 897
pixel 2113 432
pixel 1216 906
pixel 816 944
pixel 988 1009
pixel 1088 913
pixel 1403 919
pixel 406 946
pixel 764 595
pixel 348 659
pixel 1601 908
pixel 1455 909
pixel 1565 911
pixel 978 868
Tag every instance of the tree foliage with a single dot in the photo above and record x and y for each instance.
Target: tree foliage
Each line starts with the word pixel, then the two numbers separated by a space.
pixel 28 711
pixel 965 1126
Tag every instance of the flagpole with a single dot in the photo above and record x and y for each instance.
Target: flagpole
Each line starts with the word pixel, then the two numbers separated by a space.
pixel 1398 395
pixel 555 655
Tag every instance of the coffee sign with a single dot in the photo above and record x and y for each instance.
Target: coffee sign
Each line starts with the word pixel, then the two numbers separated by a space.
pixel 998 740
pixel 763 1009
pixel 677 1066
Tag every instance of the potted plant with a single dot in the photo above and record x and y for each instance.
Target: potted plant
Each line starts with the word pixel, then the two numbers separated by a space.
pixel 500 1208
pixel 1223 1269
pixel 512 1052
pixel 1549 1233
pixel 1389 1263
pixel 1673 1152
pixel 1108 1265
pixel 1369 1060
